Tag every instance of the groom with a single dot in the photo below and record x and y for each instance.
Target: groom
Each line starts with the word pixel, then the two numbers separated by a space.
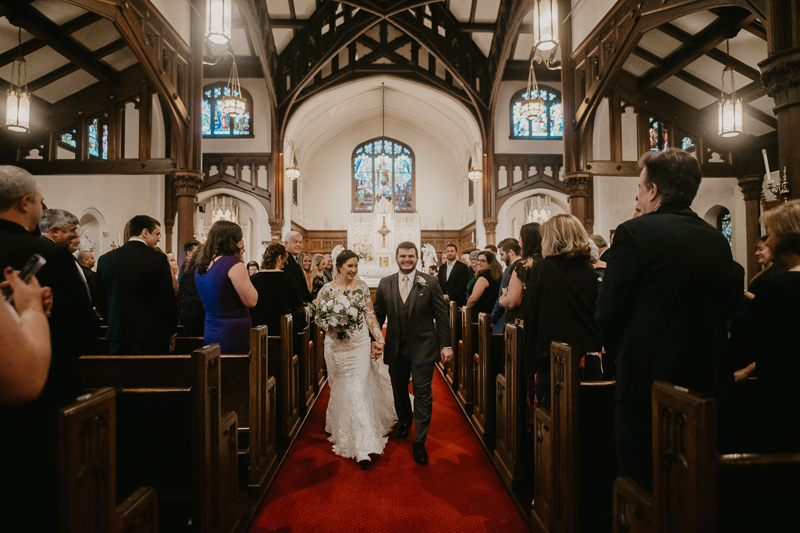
pixel 412 301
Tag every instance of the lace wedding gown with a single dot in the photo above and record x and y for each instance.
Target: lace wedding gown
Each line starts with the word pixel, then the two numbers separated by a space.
pixel 361 409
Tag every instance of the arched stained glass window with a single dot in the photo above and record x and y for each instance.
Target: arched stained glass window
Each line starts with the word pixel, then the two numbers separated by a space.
pixel 383 168
pixel 218 124
pixel 658 136
pixel 98 138
pixel 725 226
pixel 549 125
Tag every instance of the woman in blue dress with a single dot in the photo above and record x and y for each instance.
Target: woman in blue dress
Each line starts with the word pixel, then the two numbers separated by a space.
pixel 225 288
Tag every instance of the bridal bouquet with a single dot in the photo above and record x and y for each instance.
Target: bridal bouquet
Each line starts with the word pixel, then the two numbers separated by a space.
pixel 341 312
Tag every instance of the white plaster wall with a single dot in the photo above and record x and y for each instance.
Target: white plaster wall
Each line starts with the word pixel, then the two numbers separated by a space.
pixel 614 202
pixel 116 199
pixel 725 192
pixel 179 14
pixel 260 121
pixel 586 14
pixel 503 143
pixel 326 191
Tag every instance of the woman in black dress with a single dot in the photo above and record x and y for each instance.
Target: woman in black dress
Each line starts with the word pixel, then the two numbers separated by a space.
pixel 769 270
pixel 560 300
pixel 530 239
pixel 488 276
pixel 278 292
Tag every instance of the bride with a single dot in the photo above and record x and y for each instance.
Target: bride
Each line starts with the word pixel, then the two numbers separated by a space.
pixel 361 408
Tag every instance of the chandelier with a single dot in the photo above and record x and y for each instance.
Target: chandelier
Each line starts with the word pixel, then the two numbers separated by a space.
pixel 545 33
pixel 730 108
pixel 475 174
pixel 537 209
pixel 233 104
pixel 532 108
pixel 218 21
pixel 293 172
pixel 18 99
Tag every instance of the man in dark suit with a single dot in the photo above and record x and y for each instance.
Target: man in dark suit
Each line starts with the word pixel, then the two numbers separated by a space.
pixel 453 277
pixel 135 293
pixel 86 261
pixel 664 304
pixel 24 447
pixel 61 227
pixel 509 253
pixel 412 301
pixel 293 242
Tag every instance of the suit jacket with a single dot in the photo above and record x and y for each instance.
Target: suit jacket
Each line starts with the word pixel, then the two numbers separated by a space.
pixel 73 324
pixel 91 280
pixel 456 285
pixel 499 313
pixel 135 293
pixel 664 303
pixel 424 339
pixel 293 268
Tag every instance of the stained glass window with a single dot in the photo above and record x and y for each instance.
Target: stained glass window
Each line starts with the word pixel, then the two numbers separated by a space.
pixel 383 168
pixel 215 123
pixel 549 124
pixel 69 138
pixel 657 135
pixel 687 143
pixel 725 226
pixel 97 138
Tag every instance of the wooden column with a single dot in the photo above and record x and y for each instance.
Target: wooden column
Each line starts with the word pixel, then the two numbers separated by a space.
pixel 780 74
pixel 488 183
pixel 186 185
pixel 276 222
pixel 579 189
pixel 751 189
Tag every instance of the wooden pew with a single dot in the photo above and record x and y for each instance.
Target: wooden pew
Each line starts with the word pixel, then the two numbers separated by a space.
pixel 104 329
pixel 284 366
pixel 512 408
pixel 695 489
pixel 86 472
pixel 171 433
pixel 318 356
pixel 249 391
pixel 467 347
pixel 450 369
pixel 183 345
pixel 308 374
pixel 489 361
pixel 574 450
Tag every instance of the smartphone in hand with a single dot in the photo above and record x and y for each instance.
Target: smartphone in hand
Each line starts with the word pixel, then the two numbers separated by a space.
pixel 31 268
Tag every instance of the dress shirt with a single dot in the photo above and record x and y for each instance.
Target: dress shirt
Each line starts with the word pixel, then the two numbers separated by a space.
pixel 450 265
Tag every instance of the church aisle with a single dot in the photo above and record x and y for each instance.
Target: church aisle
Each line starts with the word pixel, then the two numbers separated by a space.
pixel 458 491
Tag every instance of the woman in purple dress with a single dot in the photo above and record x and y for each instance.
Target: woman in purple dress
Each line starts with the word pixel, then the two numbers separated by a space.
pixel 225 289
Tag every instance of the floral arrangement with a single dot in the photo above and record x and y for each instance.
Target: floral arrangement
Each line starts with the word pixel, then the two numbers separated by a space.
pixel 343 313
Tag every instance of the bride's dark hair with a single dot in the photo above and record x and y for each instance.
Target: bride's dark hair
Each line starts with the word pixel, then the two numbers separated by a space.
pixel 343 257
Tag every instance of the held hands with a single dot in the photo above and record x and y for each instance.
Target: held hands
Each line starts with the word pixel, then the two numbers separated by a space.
pixel 447 354
pixel 27 296
pixel 377 350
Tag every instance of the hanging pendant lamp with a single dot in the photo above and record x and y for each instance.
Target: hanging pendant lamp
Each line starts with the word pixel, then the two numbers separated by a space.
pixel 730 108
pixel 18 98
pixel 234 104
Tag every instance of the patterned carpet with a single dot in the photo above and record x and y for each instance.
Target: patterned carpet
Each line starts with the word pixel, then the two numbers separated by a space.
pixel 457 491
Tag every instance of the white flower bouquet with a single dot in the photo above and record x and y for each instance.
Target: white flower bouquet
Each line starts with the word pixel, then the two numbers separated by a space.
pixel 342 313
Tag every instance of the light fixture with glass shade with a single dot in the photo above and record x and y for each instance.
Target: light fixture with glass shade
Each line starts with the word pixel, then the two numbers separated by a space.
pixel 234 104
pixel 531 108
pixel 292 172
pixel 218 21
pixel 475 174
pixel 545 33
pixel 730 107
pixel 18 99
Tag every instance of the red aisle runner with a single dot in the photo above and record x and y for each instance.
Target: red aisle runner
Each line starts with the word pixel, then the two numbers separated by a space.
pixel 457 491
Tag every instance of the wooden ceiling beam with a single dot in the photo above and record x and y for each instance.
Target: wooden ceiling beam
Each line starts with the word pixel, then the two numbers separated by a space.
pixel 510 16
pixel 48 32
pixel 702 43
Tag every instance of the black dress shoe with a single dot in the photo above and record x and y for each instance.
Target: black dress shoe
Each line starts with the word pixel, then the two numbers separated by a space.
pixel 403 430
pixel 420 455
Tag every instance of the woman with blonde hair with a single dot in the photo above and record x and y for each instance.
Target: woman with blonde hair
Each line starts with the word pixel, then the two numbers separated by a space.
pixel 318 272
pixel 306 262
pixel 560 300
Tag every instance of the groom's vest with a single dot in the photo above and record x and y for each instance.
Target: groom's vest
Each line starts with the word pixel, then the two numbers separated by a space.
pixel 404 318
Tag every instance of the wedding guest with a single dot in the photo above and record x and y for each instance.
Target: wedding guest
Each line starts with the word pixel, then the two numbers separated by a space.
pixel 61 227
pixel 602 246
pixel 318 270
pixel 433 270
pixel 278 292
pixel 252 267
pixel 135 293
pixel 328 272
pixel 190 307
pixel 769 270
pixel 87 261
pixel 465 258
pixel 560 300
pixel 453 277
pixel 491 248
pixel 225 288
pixel 188 249
pixel 174 270
pixel 293 242
pixel 530 239
pixel 509 253
pixel 488 275
pixel 598 265
pixel 306 262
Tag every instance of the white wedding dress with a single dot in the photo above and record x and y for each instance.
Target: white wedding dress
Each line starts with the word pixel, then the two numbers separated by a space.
pixel 361 409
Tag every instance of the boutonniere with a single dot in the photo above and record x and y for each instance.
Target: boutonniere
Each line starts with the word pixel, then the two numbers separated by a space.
pixel 421 283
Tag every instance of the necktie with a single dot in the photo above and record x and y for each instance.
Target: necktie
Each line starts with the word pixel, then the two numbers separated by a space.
pixel 404 290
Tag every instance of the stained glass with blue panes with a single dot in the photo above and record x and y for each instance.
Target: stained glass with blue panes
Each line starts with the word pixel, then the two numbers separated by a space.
pixel 383 168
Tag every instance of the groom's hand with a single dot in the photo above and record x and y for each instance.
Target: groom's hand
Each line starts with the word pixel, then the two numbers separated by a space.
pixel 377 350
pixel 447 354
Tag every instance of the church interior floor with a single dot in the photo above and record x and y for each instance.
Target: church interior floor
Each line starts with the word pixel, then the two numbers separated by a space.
pixel 458 490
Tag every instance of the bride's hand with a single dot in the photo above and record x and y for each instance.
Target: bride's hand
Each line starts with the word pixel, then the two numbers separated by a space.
pixel 377 350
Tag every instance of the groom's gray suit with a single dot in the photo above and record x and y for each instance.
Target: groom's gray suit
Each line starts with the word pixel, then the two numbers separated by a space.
pixel 413 343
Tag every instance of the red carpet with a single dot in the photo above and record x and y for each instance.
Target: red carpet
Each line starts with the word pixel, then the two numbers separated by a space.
pixel 457 491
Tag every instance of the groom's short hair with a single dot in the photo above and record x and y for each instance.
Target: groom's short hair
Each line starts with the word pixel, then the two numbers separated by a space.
pixel 407 245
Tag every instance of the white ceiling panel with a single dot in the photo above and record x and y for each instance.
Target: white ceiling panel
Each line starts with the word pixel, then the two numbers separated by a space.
pixel 121 59
pixel 747 48
pixel 57 11
pixel 278 9
pixel 66 86
pixel 687 93
pixel 765 104
pixel 659 43
pixel 524 45
pixel 694 23
pixel 9 35
pixel 283 36
pixel 239 42
pixel 484 41
pixel 39 63
pixel 636 65
pixel 97 35
pixel 710 71
pixel 486 10
pixel 304 8
pixel 461 9
pixel 755 127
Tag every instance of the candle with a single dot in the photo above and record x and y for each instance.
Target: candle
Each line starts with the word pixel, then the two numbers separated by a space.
pixel 766 165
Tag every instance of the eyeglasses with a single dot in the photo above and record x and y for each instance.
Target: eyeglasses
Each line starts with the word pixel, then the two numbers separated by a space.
pixel 481 261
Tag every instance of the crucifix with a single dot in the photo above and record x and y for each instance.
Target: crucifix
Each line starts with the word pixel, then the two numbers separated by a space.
pixel 383 232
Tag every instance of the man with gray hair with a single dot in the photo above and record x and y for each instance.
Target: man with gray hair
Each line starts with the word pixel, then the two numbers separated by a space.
pixel 61 227
pixel 293 241
pixel 73 330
